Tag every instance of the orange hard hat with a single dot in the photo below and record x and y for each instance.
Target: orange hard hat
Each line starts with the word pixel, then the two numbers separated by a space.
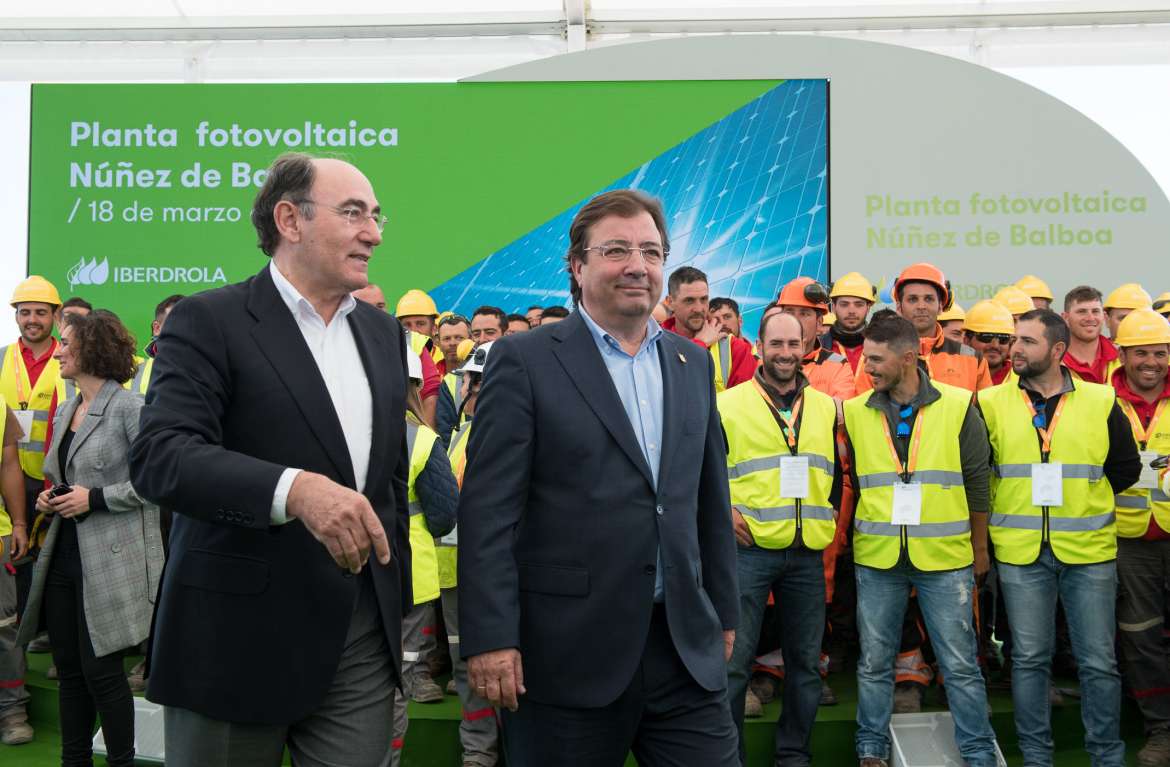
pixel 805 291
pixel 930 274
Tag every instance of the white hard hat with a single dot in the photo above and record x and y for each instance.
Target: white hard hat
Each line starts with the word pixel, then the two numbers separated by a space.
pixel 414 365
pixel 477 360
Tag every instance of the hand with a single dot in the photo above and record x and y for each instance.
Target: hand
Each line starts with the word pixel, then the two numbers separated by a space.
pixel 982 565
pixel 497 676
pixel 72 504
pixel 339 518
pixel 743 534
pixel 43 502
pixel 728 644
pixel 19 546
pixel 712 331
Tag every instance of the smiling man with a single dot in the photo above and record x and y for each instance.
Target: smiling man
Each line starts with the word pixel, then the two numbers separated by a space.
pixel 275 429
pixel 1090 356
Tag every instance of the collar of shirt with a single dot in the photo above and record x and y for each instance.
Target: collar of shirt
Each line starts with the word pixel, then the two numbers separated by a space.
pixel 1066 384
pixel 927 394
pixel 299 305
pixel 606 342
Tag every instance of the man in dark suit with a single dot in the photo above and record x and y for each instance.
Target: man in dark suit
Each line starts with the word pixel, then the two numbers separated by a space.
pixel 274 428
pixel 596 553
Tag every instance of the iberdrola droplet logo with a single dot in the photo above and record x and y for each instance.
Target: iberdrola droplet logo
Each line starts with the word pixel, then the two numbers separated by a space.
pixel 89 273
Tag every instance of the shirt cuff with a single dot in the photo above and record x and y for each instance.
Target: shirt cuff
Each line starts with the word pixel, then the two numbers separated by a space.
pixel 278 515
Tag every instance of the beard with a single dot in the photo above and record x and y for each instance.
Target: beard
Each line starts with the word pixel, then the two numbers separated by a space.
pixel 1031 368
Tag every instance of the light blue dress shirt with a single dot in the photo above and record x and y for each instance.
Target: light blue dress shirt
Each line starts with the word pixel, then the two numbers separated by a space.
pixel 638 380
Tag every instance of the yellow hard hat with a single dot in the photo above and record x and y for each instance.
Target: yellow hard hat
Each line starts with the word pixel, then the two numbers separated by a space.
pixel 416 302
pixel 853 285
pixel 36 289
pixel 1162 304
pixel 444 315
pixel 464 349
pixel 829 319
pixel 1141 327
pixel 955 312
pixel 1016 300
pixel 990 317
pixel 1128 296
pixel 1034 287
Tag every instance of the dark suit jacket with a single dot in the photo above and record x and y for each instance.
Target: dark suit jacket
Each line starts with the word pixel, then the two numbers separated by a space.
pixel 559 521
pixel 252 618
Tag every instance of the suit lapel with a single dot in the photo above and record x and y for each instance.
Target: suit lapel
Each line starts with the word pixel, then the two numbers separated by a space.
pixel 280 340
pixel 578 354
pixel 93 418
pixel 376 358
pixel 674 395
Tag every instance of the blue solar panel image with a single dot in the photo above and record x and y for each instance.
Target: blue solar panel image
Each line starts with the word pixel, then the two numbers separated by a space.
pixel 746 202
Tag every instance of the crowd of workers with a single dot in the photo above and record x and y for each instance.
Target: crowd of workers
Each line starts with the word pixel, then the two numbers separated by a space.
pixel 988 483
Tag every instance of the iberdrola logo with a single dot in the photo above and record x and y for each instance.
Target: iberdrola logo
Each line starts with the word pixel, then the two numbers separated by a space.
pixel 89 273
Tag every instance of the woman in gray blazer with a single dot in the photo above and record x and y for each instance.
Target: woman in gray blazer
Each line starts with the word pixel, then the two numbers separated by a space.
pixel 97 575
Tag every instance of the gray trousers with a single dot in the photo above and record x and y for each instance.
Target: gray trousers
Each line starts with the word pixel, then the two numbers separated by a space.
pixel 1143 581
pixel 418 641
pixel 478 732
pixel 13 665
pixel 351 728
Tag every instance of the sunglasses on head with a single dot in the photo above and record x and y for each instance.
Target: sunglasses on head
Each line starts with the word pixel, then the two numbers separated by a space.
pixel 905 414
pixel 986 338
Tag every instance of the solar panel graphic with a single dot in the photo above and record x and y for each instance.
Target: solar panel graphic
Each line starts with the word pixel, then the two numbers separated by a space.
pixel 745 199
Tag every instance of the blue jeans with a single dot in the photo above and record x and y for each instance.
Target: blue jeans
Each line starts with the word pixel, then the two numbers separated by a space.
pixel 797 579
pixel 945 601
pixel 1089 594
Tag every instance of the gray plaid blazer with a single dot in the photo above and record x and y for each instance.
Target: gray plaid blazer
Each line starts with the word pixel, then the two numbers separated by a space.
pixel 121 549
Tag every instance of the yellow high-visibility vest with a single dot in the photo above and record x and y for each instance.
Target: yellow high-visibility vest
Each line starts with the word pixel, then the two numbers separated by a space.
pixel 942 540
pixel 755 448
pixel 721 356
pixel 447 552
pixel 142 372
pixel 1134 506
pixel 420 440
pixel 22 395
pixel 1082 529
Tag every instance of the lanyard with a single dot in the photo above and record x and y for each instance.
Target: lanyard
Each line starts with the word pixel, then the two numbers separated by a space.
pixel 22 377
pixel 916 440
pixel 789 421
pixel 1045 434
pixel 1143 434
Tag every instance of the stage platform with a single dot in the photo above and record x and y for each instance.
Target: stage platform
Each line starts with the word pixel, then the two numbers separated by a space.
pixel 433 740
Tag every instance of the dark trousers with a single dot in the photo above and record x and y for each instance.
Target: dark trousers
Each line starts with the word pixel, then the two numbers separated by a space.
pixel 1143 568
pixel 663 716
pixel 89 685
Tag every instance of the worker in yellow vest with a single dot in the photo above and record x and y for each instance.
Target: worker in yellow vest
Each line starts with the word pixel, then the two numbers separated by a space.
pixel 1143 527
pixel 1061 448
pixel 417 312
pixel 785 483
pixel 478 732
pixel 688 298
pixel 1037 290
pixel 920 465
pixel 455 341
pixel 433 496
pixel 141 381
pixel 1091 356
pixel 989 329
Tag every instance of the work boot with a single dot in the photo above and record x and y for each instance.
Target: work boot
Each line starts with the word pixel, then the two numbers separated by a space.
pixel 14 727
pixel 40 644
pixel 907 698
pixel 451 688
pixel 137 677
pixel 764 687
pixel 424 690
pixel 828 697
pixel 752 708
pixel 873 761
pixel 1156 752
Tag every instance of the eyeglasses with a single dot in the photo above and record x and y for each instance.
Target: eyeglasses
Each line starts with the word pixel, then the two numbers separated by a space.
pixel 905 414
pixel 986 338
pixel 619 252
pixel 353 215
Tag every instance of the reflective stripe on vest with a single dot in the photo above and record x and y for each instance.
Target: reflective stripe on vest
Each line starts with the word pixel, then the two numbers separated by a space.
pixel 38 399
pixel 1082 530
pixel 424 564
pixel 755 447
pixel 942 541
pixel 721 356
pixel 1135 506
pixel 457 452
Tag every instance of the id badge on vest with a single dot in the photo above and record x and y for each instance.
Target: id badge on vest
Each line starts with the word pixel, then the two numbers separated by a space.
pixel 25 419
pixel 907 503
pixel 451 538
pixel 794 476
pixel 1149 477
pixel 1047 484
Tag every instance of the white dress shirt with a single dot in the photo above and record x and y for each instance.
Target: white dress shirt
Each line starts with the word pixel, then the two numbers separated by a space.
pixel 336 354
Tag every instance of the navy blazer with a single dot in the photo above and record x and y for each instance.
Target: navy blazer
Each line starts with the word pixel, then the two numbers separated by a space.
pixel 560 524
pixel 252 618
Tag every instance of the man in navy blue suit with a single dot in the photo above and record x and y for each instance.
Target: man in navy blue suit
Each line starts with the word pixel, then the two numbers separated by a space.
pixel 598 595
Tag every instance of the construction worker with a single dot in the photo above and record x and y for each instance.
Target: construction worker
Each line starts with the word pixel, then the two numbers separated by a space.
pixel 920 465
pixel 921 292
pixel 1143 528
pixel 449 411
pixel 852 297
pixel 826 370
pixel 1054 438
pixel 1123 300
pixel 478 732
pixel 726 313
pixel 487 324
pixel 453 330
pixel 14 543
pixel 433 496
pixel 1162 304
pixel 785 482
pixel 1014 300
pixel 951 321
pixel 417 311
pixel 420 344
pixel 687 298
pixel 1036 289
pixel 989 330
pixel 141 381
pixel 1091 356
pixel 32 385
